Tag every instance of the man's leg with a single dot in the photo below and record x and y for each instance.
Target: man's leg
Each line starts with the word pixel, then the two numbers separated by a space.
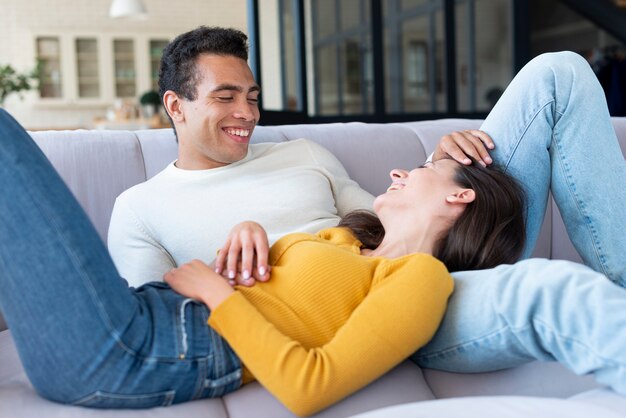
pixel 552 130
pixel 536 309
pixel 70 313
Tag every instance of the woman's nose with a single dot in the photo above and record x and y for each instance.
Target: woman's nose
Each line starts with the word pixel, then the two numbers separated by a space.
pixel 398 173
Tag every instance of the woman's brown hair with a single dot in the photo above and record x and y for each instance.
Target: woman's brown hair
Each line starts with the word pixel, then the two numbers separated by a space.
pixel 490 231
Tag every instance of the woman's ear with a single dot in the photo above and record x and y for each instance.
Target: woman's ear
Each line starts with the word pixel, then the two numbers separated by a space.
pixel 172 104
pixel 462 196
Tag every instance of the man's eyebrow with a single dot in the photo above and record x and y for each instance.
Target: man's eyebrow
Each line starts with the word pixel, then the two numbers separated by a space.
pixel 232 87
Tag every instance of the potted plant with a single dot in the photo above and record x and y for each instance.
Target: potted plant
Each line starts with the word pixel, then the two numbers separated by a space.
pixel 150 102
pixel 12 81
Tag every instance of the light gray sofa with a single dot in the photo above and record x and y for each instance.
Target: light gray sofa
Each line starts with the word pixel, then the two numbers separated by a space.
pixel 99 165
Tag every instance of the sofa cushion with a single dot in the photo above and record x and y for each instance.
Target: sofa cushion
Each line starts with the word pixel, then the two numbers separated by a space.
pixel 96 165
pixel 532 379
pixel 496 407
pixel 158 148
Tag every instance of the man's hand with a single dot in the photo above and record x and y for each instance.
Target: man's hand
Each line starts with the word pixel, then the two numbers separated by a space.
pixel 198 281
pixel 243 258
pixel 463 144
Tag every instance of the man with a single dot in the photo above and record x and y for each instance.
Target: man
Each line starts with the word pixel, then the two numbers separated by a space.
pixel 219 180
pixel 496 318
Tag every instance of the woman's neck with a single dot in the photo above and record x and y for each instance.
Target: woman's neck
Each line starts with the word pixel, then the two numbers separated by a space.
pixel 403 242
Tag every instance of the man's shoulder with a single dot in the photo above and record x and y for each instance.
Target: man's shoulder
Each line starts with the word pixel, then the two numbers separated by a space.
pixel 301 147
pixel 146 189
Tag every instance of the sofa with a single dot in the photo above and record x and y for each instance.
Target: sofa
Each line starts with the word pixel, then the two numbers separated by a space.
pixel 99 165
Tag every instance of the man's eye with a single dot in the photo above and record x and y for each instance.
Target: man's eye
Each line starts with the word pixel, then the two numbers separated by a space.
pixel 225 98
pixel 253 100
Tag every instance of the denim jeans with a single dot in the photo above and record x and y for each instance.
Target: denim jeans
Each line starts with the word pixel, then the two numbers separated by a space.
pixel 552 131
pixel 83 335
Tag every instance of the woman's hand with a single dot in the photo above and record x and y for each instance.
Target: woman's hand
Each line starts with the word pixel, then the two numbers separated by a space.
pixel 461 144
pixel 243 258
pixel 198 281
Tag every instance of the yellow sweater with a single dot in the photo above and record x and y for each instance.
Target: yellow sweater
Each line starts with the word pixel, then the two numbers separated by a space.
pixel 330 321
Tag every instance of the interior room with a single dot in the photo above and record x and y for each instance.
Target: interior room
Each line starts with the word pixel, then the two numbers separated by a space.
pixel 284 223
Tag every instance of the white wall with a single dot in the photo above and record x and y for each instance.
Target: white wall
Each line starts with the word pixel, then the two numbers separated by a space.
pixel 22 20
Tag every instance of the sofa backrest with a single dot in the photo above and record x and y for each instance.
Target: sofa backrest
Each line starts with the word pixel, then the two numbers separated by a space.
pixel 99 165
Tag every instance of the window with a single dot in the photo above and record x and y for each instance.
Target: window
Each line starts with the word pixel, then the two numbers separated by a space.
pixel 49 57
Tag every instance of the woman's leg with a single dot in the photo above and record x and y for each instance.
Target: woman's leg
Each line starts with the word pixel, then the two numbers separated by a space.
pixel 71 314
pixel 552 130
pixel 536 309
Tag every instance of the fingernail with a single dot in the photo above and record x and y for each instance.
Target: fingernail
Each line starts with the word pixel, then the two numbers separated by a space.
pixel 231 274
pixel 246 274
pixel 231 282
pixel 262 271
pixel 467 161
pixel 218 270
pixel 488 160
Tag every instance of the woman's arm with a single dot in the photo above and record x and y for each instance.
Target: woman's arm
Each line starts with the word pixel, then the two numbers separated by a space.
pixel 399 315
pixel 198 281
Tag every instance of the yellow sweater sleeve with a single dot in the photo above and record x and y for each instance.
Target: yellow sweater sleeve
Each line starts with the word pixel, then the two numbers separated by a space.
pixel 399 315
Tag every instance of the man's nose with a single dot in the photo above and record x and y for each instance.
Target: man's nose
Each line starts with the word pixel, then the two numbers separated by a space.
pixel 246 111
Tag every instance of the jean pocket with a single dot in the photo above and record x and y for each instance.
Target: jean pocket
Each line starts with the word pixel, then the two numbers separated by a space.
pixel 105 400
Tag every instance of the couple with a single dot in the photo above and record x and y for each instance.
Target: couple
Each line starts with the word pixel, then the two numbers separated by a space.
pixel 151 346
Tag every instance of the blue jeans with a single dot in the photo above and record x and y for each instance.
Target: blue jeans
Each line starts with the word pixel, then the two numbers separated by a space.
pixel 552 131
pixel 83 335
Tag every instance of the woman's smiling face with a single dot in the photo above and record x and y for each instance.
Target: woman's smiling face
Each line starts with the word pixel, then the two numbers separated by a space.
pixel 423 187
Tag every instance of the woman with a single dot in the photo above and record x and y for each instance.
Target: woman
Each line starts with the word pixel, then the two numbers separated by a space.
pixel 71 315
pixel 311 349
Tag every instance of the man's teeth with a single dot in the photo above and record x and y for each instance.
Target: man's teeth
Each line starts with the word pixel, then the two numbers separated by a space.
pixel 239 132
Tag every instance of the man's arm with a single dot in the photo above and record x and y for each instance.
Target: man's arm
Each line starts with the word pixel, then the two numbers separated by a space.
pixel 139 258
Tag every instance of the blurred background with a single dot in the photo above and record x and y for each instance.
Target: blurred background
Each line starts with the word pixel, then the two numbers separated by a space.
pixel 71 64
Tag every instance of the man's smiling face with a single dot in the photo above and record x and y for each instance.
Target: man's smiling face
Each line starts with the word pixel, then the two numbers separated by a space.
pixel 216 127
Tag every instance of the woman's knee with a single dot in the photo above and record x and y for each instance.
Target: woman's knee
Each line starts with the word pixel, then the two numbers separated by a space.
pixel 560 63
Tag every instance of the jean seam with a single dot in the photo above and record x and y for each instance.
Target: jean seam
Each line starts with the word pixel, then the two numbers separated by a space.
pixel 579 204
pixel 526 127
pixel 461 345
pixel 577 342
pixel 518 330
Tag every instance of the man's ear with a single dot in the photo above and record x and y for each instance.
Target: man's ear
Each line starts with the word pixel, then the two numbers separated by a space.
pixel 462 196
pixel 173 106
